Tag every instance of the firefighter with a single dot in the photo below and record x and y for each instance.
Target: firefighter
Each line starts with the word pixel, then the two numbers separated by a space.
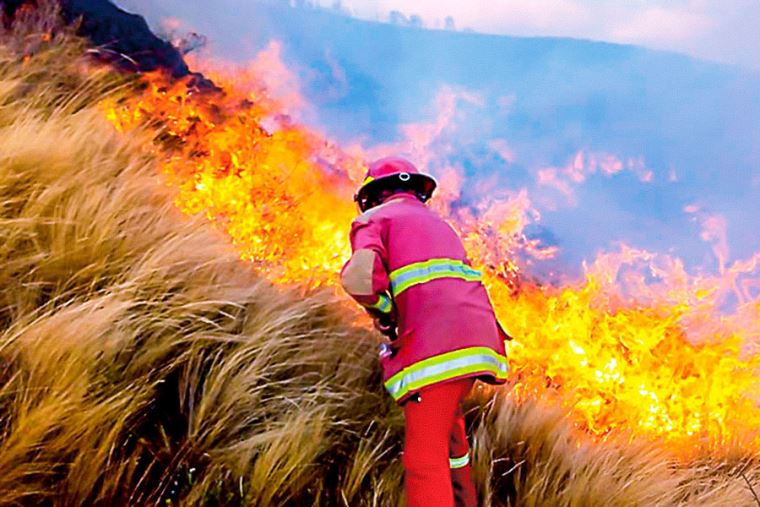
pixel 410 271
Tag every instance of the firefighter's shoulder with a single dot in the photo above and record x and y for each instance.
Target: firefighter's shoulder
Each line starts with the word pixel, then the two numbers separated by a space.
pixel 371 213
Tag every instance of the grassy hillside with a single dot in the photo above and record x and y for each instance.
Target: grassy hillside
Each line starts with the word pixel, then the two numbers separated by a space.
pixel 144 364
pixel 693 124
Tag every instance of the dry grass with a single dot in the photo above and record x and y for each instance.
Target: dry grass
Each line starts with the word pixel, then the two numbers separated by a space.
pixel 528 455
pixel 143 364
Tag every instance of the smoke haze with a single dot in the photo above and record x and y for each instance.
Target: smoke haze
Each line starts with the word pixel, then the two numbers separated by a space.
pixel 612 143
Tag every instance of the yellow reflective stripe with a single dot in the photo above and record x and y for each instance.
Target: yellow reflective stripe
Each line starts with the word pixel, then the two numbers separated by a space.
pixel 368 180
pixel 447 366
pixel 383 304
pixel 433 269
pixel 455 463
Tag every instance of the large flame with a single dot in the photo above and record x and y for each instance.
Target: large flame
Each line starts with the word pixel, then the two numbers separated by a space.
pixel 639 346
pixel 280 192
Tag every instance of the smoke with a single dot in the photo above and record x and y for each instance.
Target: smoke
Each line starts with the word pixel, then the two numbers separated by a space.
pixel 721 31
pixel 608 143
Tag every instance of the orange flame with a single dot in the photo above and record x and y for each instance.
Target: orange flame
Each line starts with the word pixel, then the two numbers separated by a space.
pixel 638 346
pixel 282 196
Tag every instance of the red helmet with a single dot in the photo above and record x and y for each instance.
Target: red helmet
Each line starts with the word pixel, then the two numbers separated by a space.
pixel 388 171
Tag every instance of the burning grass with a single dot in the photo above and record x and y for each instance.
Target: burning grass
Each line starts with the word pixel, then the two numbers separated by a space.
pixel 639 343
pixel 143 362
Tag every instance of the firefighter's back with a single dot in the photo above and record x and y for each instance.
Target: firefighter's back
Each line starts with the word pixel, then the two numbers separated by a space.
pixel 440 299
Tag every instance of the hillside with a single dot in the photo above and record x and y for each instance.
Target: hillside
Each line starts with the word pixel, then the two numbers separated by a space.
pixel 143 363
pixel 695 125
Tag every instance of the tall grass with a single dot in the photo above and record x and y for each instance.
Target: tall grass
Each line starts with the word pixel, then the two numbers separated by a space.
pixel 141 363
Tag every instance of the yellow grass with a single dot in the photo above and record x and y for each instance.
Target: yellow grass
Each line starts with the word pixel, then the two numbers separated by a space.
pixel 141 363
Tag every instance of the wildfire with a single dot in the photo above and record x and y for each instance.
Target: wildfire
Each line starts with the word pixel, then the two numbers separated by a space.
pixel 281 193
pixel 638 346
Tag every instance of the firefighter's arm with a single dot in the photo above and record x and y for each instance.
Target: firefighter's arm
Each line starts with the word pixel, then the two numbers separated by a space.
pixel 364 276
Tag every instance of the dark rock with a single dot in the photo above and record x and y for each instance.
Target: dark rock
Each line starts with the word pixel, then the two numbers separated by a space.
pixel 123 36
pixel 120 38
pixel 10 6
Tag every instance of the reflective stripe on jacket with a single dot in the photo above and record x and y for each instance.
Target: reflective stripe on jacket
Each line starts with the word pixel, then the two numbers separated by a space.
pixel 410 263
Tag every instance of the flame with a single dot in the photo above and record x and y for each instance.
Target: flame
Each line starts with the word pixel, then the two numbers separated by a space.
pixel 281 194
pixel 637 347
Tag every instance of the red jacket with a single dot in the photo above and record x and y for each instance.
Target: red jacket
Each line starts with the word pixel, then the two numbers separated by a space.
pixel 409 262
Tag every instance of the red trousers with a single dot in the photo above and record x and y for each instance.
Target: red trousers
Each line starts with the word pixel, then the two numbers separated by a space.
pixel 436 453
